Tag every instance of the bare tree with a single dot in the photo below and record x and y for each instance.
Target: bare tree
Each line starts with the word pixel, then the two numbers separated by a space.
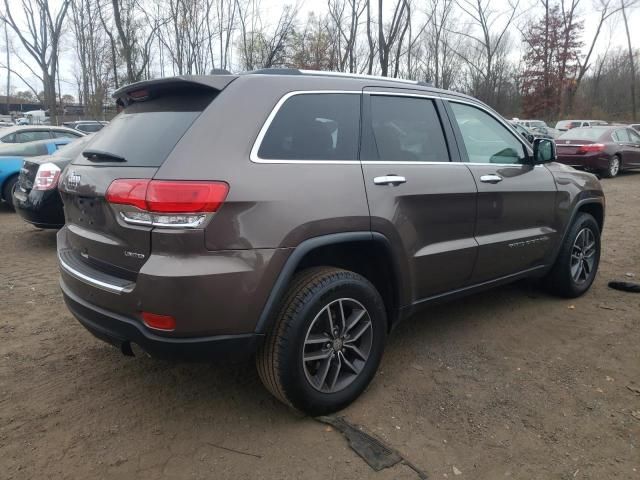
pixel 489 43
pixel 632 65
pixel 394 35
pixel 41 40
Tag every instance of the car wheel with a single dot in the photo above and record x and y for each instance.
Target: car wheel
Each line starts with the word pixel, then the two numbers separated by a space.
pixel 577 263
pixel 326 343
pixel 7 190
pixel 613 169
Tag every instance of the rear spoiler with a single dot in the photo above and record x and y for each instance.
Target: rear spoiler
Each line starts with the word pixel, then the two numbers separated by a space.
pixel 140 91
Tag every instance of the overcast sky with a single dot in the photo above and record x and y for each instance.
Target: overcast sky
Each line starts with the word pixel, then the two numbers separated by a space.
pixel 613 35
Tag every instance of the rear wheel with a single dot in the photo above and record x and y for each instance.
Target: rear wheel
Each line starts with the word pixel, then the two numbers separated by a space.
pixel 7 190
pixel 327 341
pixel 577 263
pixel 613 169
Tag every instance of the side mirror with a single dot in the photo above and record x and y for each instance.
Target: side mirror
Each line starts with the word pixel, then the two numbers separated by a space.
pixel 544 151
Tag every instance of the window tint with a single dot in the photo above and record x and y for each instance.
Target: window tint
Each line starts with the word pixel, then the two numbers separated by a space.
pixel 64 134
pixel 31 136
pixel 9 138
pixel 145 133
pixel 406 129
pixel 314 127
pixel 486 139
pixel 90 127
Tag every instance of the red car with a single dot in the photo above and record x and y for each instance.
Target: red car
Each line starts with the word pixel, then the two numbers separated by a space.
pixel 606 149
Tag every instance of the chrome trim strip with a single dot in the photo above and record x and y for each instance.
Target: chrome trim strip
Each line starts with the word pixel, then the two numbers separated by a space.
pixel 253 156
pixel 92 281
pixel 360 76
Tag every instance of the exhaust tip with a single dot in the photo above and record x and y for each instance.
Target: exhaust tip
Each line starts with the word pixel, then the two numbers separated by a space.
pixel 125 348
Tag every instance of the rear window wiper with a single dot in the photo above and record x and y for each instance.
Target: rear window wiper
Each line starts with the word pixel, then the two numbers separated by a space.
pixel 102 156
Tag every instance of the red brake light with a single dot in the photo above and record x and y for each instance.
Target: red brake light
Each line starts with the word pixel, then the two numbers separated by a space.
pixel 126 191
pixel 167 196
pixel 185 197
pixel 159 322
pixel 590 148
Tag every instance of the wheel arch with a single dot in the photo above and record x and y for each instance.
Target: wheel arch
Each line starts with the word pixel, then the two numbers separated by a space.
pixel 367 253
pixel 5 181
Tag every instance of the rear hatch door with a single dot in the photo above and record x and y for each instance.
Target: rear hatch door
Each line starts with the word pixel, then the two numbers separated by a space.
pixel 133 146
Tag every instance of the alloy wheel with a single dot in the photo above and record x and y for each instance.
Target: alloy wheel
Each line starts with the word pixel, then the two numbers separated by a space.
pixel 583 256
pixel 337 345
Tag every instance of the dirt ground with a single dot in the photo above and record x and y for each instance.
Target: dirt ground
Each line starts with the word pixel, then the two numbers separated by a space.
pixel 510 383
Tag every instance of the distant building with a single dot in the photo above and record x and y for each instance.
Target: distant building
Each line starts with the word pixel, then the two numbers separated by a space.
pixel 17 105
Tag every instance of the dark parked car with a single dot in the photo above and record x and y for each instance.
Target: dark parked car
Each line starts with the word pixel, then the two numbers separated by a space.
pixel 36 197
pixel 86 126
pixel 606 150
pixel 12 157
pixel 301 216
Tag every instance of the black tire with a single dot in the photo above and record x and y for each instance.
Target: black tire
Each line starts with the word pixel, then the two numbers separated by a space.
pixel 561 280
pixel 7 190
pixel 614 168
pixel 280 359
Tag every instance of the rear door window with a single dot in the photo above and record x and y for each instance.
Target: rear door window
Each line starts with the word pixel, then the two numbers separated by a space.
pixel 314 126
pixel 32 136
pixel 406 129
pixel 145 133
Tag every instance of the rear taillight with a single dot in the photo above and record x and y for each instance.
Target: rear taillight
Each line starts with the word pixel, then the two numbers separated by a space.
pixel 47 177
pixel 166 203
pixel 591 148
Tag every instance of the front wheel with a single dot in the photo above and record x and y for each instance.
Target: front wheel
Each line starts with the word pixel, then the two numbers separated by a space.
pixel 577 263
pixel 327 341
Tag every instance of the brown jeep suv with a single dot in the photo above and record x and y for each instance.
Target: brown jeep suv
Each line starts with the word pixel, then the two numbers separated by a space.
pixel 298 216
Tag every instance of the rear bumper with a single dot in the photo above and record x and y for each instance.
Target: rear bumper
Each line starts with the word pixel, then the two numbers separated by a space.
pixel 596 161
pixel 122 332
pixel 40 208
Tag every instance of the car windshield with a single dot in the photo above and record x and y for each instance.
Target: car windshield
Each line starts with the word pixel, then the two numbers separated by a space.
pixel 592 133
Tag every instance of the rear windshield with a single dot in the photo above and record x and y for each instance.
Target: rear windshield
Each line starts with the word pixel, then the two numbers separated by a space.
pixel 593 133
pixel 145 133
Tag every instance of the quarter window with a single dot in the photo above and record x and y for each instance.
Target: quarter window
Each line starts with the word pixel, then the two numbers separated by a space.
pixel 486 139
pixel 314 126
pixel 406 129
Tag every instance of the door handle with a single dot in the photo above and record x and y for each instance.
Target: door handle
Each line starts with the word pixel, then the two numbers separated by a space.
pixel 390 179
pixel 492 178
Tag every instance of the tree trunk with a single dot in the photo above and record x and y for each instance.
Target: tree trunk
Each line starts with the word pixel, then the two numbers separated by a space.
pixel 632 65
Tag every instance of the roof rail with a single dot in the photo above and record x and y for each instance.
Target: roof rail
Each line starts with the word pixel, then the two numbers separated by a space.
pixel 296 71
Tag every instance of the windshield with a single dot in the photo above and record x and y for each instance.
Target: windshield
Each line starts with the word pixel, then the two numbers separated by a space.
pixel 593 133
